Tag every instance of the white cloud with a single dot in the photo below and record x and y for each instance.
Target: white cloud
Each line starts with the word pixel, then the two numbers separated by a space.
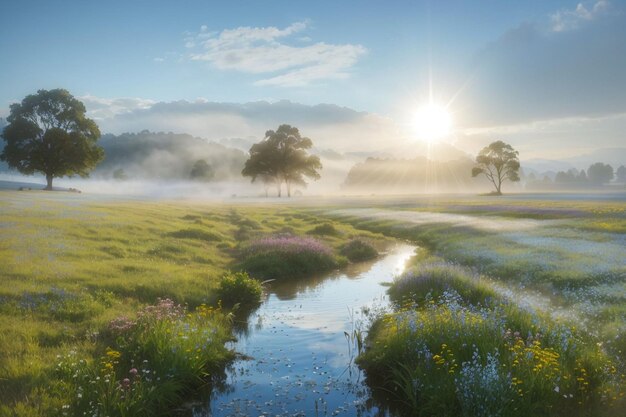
pixel 564 20
pixel 99 108
pixel 328 125
pixel 267 50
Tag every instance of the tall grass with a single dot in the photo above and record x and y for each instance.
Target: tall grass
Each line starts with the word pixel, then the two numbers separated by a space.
pixel 156 360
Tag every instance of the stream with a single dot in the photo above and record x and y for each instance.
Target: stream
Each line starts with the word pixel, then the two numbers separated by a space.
pixel 300 361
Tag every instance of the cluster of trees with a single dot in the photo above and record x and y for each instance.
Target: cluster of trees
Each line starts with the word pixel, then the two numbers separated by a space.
pixel 596 175
pixel 171 156
pixel 48 132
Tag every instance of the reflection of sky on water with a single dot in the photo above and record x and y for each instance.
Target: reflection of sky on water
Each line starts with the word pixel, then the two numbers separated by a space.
pixel 301 360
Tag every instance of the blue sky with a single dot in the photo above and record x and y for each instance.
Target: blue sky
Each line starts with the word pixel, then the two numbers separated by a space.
pixel 527 71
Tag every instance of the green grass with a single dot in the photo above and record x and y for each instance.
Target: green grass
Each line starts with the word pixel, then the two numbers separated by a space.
pixel 455 347
pixel 570 253
pixel 71 265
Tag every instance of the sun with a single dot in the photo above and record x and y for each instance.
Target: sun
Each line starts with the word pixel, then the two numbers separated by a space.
pixel 432 122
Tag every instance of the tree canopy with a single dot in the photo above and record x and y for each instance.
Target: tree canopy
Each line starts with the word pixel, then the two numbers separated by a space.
pixel 620 173
pixel 201 171
pixel 282 157
pixel 49 133
pixel 600 173
pixel 498 162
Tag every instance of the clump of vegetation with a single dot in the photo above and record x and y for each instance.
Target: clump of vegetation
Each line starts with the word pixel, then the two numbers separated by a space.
pixel 358 250
pixel 286 256
pixel 325 229
pixel 242 233
pixel 432 280
pixel 195 233
pixel 455 350
pixel 161 356
pixel 239 288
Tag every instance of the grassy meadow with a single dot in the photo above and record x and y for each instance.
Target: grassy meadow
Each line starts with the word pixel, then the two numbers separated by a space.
pixel 511 305
pixel 76 270
pixel 522 301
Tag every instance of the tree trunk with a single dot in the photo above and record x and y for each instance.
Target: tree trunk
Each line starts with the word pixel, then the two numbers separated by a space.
pixel 279 189
pixel 288 190
pixel 49 182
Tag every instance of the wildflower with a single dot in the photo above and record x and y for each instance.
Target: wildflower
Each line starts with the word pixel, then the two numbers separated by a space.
pixel 113 354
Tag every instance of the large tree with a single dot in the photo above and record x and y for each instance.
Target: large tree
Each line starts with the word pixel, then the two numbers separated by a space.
pixel 498 162
pixel 49 133
pixel 282 157
pixel 600 173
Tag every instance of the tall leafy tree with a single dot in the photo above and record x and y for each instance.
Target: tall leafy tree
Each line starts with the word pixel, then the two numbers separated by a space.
pixel 49 133
pixel 282 157
pixel 600 173
pixel 498 162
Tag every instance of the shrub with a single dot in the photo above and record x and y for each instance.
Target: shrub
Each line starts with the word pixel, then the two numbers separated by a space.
pixel 358 250
pixel 430 280
pixel 326 229
pixel 194 233
pixel 283 256
pixel 239 288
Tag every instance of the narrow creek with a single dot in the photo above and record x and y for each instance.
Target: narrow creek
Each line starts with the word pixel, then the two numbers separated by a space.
pixel 301 362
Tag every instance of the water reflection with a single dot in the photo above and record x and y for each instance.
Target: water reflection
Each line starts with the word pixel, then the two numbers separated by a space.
pixel 289 289
pixel 301 362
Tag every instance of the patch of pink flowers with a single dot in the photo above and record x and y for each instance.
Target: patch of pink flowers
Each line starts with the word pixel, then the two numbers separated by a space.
pixel 164 309
pixel 287 244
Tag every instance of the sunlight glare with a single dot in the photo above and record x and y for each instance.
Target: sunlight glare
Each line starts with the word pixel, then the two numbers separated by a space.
pixel 432 122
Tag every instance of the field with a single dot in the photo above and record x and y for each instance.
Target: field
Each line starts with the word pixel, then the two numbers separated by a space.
pixel 562 256
pixel 73 265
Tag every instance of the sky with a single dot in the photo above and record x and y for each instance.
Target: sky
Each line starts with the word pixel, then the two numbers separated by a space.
pixel 549 77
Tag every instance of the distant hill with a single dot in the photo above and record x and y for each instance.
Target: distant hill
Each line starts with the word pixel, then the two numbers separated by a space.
pixel 540 166
pixel 150 155
pixel 612 156
pixel 420 174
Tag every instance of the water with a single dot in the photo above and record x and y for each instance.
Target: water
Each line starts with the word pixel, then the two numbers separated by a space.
pixel 301 360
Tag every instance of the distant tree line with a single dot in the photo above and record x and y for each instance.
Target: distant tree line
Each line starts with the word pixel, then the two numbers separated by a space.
pixel 597 174
pixel 171 156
